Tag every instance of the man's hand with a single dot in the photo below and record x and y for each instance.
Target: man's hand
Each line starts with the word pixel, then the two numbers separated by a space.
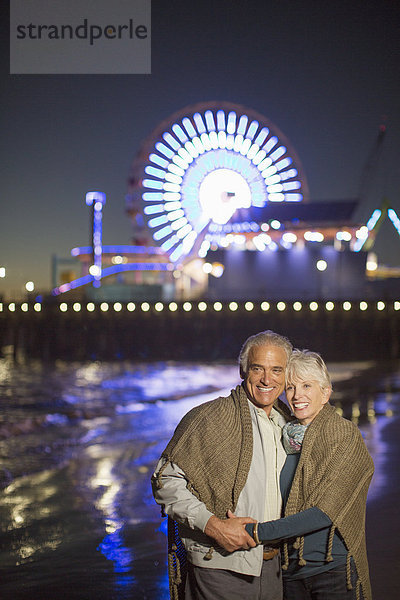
pixel 230 533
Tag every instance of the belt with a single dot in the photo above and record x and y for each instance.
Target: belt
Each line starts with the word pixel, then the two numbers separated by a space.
pixel 269 553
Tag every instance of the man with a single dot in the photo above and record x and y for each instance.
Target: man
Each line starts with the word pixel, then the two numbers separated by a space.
pixel 225 457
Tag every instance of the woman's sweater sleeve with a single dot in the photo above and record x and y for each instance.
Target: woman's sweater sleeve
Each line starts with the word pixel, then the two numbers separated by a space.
pixel 301 523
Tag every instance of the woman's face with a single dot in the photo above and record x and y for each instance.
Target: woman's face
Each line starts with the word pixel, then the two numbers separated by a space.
pixel 306 398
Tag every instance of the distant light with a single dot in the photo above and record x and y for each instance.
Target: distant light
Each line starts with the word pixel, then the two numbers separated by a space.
pixel 117 306
pixel 322 265
pixel 249 306
pixel 207 267
pixel 29 286
pixel 159 306
pixel 372 261
pixel 372 221
pixel 63 307
pixel 363 305
pixel 297 306
pixel 1 307
pixel 90 307
pixel 281 306
pixel 187 306
pixel 145 306
pixel 329 306
pixel 381 305
pixel 346 305
pixel 313 236
pixel 104 307
pixel 344 236
pixel 289 237
pixel 131 306
pixel 395 219
pixel 233 306
pixel 313 306
pixel 265 306
pixel 24 307
pixel 217 270
pixel 173 306
pixel 11 307
pixel 217 306
pixel 95 270
pixel 275 224
pixel 362 233
pixel 76 306
pixel 37 307
pixel 202 306
pixel 396 305
pixel 264 227
pixel 2 271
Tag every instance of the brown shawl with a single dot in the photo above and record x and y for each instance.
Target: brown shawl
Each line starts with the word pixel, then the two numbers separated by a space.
pixel 334 473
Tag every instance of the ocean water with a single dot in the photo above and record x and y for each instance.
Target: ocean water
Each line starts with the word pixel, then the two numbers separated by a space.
pixel 78 444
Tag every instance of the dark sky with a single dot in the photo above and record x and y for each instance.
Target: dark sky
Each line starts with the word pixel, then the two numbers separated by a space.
pixel 325 73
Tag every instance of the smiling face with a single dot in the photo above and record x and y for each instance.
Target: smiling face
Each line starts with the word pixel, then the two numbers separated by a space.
pixel 265 378
pixel 306 398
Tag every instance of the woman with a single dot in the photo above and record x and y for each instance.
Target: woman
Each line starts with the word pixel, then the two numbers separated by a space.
pixel 324 486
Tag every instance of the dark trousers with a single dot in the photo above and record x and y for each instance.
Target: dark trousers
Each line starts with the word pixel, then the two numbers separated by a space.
pixel 330 585
pixel 220 584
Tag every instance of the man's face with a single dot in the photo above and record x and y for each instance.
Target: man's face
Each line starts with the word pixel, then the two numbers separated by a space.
pixel 265 379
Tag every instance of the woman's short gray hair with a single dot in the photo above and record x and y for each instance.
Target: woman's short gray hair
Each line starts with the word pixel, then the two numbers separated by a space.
pixel 264 338
pixel 307 365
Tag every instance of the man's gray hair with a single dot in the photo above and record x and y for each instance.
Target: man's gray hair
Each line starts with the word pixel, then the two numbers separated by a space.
pixel 305 365
pixel 264 338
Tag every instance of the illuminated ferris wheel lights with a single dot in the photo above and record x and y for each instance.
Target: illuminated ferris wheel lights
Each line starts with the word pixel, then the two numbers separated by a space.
pixel 167 245
pixel 177 253
pixel 198 145
pixel 184 154
pixel 158 160
pixel 282 164
pixel 153 185
pixel 155 172
pixel 163 149
pixel 266 162
pixel 245 147
pixel 220 120
pixel 178 131
pixel 176 214
pixel 168 206
pixel 276 197
pixel 153 209
pixel 186 122
pixel 213 140
pixel 272 189
pixel 230 140
pixel 171 196
pixel 262 136
pixel 242 125
pixel 180 162
pixel 271 143
pixel 198 119
pixel 293 197
pixel 171 187
pixel 238 143
pixel 157 221
pixel 291 185
pixel 209 120
pixel 272 180
pixel 205 140
pixel 162 233
pixel 184 231
pixel 191 150
pixel 152 196
pixel 261 154
pixel 173 168
pixel 222 139
pixel 290 174
pixel 171 140
pixel 269 172
pixel 251 132
pixel 231 125
pixel 278 153
pixel 254 148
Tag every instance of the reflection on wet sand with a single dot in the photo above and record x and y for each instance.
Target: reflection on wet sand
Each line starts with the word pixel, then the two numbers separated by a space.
pixel 79 443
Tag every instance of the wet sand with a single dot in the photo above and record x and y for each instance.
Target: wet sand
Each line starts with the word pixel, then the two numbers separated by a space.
pixel 77 517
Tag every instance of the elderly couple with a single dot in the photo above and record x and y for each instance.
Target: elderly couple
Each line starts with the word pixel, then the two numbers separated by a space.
pixel 265 496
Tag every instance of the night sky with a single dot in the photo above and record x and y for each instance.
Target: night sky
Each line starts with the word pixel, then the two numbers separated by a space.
pixel 325 73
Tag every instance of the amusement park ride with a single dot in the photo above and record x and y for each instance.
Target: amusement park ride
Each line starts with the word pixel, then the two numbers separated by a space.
pixel 220 207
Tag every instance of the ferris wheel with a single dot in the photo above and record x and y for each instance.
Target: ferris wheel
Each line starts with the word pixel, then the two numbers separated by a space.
pixel 208 171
